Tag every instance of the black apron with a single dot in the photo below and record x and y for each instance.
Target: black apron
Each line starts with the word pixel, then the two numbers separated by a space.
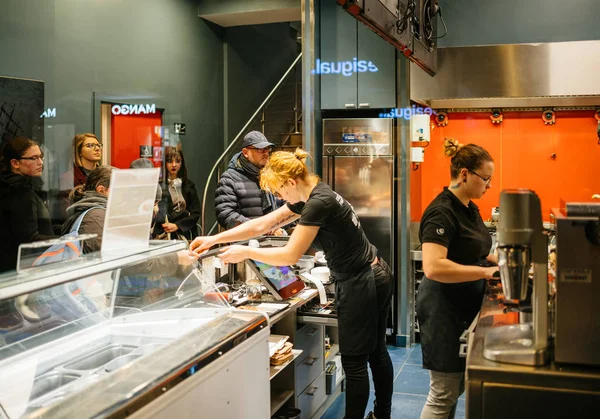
pixel 356 304
pixel 444 312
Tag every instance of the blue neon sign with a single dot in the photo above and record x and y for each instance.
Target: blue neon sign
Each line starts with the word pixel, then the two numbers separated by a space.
pixel 407 113
pixel 345 68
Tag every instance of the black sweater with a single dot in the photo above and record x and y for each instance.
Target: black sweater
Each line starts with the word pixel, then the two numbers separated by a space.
pixel 23 214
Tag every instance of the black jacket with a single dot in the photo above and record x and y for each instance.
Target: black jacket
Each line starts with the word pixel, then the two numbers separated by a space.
pixel 23 214
pixel 238 197
pixel 186 220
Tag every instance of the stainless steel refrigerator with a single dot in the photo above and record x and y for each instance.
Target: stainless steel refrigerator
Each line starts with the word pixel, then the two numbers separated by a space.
pixel 358 164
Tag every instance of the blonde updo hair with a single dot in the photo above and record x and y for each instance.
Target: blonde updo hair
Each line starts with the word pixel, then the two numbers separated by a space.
pixel 283 166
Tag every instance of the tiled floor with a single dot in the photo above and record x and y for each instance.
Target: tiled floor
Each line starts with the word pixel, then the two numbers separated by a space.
pixel 411 384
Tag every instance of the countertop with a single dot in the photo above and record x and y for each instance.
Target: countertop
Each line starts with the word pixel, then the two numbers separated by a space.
pixel 295 303
pixel 548 376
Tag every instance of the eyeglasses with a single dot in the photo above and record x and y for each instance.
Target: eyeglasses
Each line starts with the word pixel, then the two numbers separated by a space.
pixel 262 150
pixel 93 145
pixel 486 180
pixel 33 158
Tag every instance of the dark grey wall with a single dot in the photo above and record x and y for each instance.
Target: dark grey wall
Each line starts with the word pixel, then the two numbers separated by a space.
pixel 155 49
pixel 207 7
pixel 488 22
pixel 257 57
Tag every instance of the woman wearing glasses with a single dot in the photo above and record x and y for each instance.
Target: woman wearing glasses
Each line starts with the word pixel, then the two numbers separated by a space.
pixel 456 262
pixel 363 280
pixel 86 155
pixel 23 212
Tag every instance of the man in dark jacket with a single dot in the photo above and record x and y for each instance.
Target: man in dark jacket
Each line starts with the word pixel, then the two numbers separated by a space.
pixel 238 197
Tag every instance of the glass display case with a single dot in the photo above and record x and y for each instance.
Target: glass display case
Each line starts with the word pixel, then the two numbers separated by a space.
pixel 107 334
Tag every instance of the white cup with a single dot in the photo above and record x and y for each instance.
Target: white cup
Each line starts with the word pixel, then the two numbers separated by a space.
pixel 321 274
pixel 306 262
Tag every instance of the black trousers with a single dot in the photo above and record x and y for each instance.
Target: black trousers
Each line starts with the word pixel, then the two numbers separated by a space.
pixel 363 306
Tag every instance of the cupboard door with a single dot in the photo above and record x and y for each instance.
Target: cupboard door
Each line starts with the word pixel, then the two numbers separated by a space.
pixel 377 85
pixel 338 57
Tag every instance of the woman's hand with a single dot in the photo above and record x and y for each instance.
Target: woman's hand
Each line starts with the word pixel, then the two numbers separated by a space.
pixel 278 232
pixel 489 272
pixel 201 244
pixel 170 227
pixel 234 254
pixel 186 257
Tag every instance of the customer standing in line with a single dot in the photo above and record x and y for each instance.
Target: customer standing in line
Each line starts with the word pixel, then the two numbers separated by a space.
pixel 23 211
pixel 86 154
pixel 363 280
pixel 238 197
pixel 456 262
pixel 180 203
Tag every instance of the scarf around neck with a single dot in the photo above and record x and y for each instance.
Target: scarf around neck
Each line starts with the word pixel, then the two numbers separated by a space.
pixel 244 164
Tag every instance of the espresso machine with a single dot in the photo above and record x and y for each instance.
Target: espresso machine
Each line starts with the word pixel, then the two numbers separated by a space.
pixel 521 243
pixel 577 323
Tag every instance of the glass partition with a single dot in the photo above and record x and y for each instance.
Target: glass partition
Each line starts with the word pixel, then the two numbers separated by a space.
pixel 65 329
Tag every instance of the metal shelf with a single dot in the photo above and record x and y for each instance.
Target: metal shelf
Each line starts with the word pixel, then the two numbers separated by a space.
pixel 278 399
pixel 276 369
pixel 314 319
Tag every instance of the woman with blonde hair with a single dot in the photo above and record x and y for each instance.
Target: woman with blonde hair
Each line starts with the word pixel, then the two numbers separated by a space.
pixel 86 155
pixel 363 280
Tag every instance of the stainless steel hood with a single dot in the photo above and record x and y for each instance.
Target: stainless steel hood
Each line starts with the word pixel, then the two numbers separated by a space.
pixel 562 74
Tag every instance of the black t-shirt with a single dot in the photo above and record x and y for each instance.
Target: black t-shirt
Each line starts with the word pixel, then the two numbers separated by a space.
pixel 446 309
pixel 460 229
pixel 340 235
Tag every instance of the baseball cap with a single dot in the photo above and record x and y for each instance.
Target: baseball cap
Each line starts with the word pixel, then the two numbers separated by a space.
pixel 256 139
pixel 141 164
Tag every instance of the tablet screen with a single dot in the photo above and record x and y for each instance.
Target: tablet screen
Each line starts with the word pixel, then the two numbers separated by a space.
pixel 279 276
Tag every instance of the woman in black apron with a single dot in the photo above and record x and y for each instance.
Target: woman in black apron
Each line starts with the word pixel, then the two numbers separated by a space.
pixel 456 261
pixel 363 280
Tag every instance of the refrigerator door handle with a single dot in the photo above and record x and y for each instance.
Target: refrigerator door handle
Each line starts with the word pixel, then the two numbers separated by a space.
pixel 328 170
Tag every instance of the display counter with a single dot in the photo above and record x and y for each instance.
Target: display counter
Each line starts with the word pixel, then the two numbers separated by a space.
pixel 127 334
pixel 501 390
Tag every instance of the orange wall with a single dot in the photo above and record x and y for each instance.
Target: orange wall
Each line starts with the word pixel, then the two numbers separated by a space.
pixel 129 132
pixel 521 147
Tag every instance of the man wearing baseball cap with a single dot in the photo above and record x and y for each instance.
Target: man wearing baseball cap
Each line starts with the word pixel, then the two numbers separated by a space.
pixel 238 197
